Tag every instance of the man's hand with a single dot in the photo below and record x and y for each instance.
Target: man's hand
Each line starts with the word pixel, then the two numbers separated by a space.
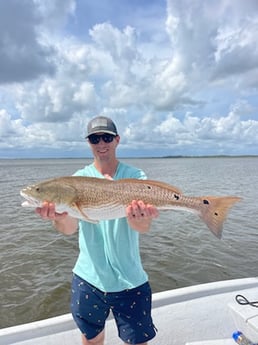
pixel 48 212
pixel 140 215
pixel 61 221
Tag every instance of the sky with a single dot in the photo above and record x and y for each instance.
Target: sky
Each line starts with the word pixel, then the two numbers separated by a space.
pixel 178 77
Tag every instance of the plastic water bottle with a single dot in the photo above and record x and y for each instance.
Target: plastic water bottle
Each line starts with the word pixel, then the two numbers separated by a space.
pixel 241 339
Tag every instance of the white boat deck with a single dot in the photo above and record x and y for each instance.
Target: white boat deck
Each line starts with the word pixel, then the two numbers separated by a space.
pixel 197 315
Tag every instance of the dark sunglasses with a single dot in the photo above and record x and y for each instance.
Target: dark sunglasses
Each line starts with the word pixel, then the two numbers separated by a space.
pixel 95 138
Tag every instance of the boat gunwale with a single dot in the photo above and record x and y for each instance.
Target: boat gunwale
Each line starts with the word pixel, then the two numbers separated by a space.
pixel 64 323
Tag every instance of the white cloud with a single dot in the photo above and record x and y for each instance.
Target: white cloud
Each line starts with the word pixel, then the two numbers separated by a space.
pixel 55 13
pixel 194 90
pixel 22 55
pixel 234 43
pixel 6 126
pixel 170 126
pixel 85 95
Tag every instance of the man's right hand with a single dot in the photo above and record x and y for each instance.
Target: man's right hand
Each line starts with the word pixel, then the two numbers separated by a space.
pixel 61 221
pixel 48 212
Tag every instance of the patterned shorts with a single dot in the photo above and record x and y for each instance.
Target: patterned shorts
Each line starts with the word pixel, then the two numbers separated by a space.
pixel 131 309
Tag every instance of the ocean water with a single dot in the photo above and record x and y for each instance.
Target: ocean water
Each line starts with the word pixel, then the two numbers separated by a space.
pixel 36 262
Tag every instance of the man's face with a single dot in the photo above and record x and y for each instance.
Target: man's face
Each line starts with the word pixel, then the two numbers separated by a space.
pixel 103 145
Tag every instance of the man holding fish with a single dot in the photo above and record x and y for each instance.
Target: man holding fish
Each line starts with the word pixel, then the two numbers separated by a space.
pixel 108 274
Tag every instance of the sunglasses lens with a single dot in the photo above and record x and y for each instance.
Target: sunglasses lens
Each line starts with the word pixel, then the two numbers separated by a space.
pixel 108 138
pixel 95 139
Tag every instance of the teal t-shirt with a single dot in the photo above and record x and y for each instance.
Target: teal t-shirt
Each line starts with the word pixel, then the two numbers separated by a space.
pixel 109 255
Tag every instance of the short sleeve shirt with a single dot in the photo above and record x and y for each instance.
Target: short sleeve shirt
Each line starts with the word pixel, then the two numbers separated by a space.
pixel 109 255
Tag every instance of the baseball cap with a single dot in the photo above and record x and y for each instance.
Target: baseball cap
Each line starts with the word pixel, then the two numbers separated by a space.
pixel 101 124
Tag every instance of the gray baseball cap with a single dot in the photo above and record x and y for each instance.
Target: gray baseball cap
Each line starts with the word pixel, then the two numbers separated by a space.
pixel 101 124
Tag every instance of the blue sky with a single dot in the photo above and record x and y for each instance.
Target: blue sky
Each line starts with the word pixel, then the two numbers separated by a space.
pixel 179 77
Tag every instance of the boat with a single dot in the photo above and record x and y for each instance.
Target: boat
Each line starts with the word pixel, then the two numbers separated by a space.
pixel 204 314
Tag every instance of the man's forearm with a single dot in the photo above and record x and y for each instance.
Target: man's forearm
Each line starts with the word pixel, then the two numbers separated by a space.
pixel 67 225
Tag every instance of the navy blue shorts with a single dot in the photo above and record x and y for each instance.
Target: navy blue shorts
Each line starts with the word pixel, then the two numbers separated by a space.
pixel 131 309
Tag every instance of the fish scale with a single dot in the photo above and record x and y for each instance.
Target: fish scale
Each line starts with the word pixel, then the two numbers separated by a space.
pixel 94 199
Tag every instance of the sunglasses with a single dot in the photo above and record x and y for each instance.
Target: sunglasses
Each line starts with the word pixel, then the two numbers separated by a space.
pixel 95 139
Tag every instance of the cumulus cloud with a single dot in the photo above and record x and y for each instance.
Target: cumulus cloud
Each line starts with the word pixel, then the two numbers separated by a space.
pixel 6 125
pixel 176 135
pixel 187 83
pixel 214 37
pixel 55 100
pixel 54 14
pixel 22 55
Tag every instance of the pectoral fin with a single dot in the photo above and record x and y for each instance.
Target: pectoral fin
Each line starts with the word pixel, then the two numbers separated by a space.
pixel 83 214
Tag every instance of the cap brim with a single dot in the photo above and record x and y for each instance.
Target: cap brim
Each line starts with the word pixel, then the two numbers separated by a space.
pixel 101 131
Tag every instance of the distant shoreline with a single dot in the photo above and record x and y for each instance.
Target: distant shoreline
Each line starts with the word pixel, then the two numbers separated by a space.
pixel 212 156
pixel 134 157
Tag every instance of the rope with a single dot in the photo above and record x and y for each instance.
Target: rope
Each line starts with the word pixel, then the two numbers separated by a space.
pixel 244 301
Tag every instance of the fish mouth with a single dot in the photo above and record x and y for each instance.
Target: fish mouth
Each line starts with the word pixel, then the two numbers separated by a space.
pixel 30 201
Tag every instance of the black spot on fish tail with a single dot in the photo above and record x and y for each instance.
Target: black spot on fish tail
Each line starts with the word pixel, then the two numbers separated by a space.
pixel 176 196
pixel 215 212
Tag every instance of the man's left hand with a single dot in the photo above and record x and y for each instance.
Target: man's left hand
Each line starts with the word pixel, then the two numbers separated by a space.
pixel 140 215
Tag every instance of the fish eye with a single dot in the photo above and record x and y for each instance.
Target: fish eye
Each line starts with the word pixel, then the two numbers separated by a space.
pixel 37 189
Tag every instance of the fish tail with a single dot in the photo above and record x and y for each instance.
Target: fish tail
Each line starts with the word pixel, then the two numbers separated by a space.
pixel 214 211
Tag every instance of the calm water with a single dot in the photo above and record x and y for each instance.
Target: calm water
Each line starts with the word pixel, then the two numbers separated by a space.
pixel 36 262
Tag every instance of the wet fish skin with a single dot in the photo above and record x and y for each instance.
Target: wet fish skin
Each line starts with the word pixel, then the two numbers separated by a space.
pixel 94 199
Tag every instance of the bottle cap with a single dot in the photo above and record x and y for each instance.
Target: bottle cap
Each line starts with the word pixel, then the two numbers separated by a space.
pixel 236 334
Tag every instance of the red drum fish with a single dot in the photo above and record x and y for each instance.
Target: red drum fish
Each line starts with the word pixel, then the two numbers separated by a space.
pixel 94 199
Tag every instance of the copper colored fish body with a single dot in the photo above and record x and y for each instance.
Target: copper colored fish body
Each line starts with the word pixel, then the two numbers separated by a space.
pixel 94 199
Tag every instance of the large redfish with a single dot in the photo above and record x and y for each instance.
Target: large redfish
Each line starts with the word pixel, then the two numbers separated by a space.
pixel 94 199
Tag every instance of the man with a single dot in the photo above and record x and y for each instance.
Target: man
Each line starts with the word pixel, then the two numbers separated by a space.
pixel 108 274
